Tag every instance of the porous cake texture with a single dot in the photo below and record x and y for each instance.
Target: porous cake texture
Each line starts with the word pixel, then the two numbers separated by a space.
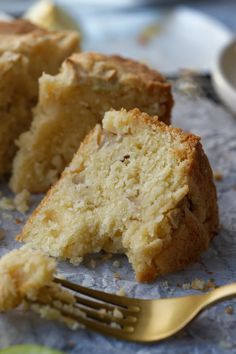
pixel 26 51
pixel 72 102
pixel 135 186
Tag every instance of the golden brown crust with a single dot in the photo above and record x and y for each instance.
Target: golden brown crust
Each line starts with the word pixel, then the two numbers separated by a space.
pixel 98 64
pixel 130 72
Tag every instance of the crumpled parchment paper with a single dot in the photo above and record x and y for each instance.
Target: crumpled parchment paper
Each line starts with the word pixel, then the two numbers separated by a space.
pixel 214 330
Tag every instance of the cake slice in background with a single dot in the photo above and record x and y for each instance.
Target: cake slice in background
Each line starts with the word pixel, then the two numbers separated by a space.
pixel 135 186
pixel 26 51
pixel 72 102
pixel 51 16
pixel 16 98
pixel 46 50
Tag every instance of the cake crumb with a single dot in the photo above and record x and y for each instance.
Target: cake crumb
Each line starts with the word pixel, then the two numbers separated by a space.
pixel 121 292
pixel 22 201
pixel 116 264
pixel 18 221
pixel 6 216
pixel 210 284
pixel 198 284
pixel 7 204
pixel 229 310
pixel 224 344
pixel 2 234
pixel 93 263
pixel 117 313
pixel 103 312
pixel 186 286
pixel 115 325
pixel 116 275
pixel 218 176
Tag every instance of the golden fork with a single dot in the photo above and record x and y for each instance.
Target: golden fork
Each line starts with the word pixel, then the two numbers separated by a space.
pixel 139 320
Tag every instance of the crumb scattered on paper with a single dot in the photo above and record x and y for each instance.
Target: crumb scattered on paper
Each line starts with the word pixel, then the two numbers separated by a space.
pixel 93 263
pixel 20 202
pixel 116 264
pixel 2 234
pixel 218 176
pixel 6 216
pixel 186 286
pixel 199 284
pixel 18 221
pixel 121 292
pixel 7 204
pixel 116 275
pixel 224 344
pixel 229 310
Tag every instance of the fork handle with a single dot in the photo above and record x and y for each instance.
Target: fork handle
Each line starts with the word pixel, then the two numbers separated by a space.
pixel 222 293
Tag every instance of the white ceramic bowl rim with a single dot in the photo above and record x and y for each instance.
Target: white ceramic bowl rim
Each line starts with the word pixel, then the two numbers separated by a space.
pixel 224 83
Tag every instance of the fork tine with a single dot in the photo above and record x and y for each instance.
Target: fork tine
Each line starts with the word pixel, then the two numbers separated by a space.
pixel 117 300
pixel 93 304
pixel 123 331
pixel 108 317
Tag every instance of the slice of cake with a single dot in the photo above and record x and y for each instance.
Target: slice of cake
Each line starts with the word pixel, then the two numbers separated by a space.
pixel 25 53
pixel 135 186
pixel 16 97
pixel 46 50
pixel 72 102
